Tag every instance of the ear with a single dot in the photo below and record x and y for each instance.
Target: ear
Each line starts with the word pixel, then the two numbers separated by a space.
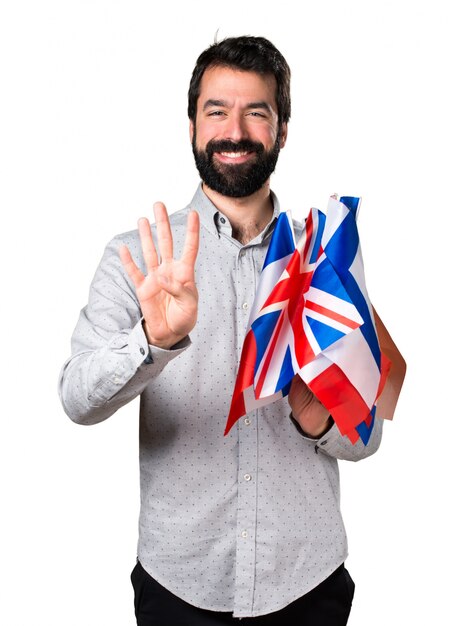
pixel 191 130
pixel 283 134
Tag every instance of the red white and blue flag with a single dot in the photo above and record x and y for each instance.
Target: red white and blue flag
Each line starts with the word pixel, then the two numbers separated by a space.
pixel 312 317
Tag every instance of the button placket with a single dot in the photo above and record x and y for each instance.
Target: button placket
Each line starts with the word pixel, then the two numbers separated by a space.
pixel 247 452
pixel 245 285
pixel 246 520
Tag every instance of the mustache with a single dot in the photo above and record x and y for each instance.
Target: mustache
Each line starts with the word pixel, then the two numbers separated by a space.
pixel 226 145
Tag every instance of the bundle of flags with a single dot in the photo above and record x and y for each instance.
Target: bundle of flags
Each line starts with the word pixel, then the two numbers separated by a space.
pixel 312 317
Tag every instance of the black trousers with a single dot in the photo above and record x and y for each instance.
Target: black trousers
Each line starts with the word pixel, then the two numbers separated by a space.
pixel 328 604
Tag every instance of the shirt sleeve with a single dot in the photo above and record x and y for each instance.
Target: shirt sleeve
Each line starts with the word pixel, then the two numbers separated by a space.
pixel 334 444
pixel 111 361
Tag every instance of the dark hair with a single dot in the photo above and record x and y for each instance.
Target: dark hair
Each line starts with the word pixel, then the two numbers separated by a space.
pixel 252 54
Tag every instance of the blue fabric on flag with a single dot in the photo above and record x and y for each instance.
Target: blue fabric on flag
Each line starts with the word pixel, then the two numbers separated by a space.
pixel 364 431
pixel 323 333
pixel 286 373
pixel 282 243
pixel 326 279
pixel 319 234
pixel 263 328
pixel 352 204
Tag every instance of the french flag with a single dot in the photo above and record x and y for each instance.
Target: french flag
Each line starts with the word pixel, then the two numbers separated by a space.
pixel 312 317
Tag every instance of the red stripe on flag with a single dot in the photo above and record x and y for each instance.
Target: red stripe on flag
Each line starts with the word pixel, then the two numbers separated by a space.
pixel 313 306
pixel 353 434
pixel 245 378
pixel 247 364
pixel 279 294
pixel 237 410
pixel 308 239
pixel 299 284
pixel 302 348
pixel 344 403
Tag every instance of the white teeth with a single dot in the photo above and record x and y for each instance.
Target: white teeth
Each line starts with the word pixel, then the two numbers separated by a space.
pixel 233 155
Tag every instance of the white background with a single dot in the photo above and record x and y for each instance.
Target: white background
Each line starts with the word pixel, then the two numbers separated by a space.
pixel 93 130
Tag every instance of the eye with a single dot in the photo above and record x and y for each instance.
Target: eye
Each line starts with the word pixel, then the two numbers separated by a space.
pixel 256 114
pixel 215 113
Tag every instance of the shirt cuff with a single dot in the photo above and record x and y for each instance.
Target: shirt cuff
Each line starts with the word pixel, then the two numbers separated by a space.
pixel 152 354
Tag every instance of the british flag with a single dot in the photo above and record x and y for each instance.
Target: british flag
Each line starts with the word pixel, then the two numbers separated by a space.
pixel 312 317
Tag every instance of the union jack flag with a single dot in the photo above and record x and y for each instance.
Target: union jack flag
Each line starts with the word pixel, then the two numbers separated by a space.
pixel 312 317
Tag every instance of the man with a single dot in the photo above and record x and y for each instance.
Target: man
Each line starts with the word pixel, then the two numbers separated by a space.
pixel 244 526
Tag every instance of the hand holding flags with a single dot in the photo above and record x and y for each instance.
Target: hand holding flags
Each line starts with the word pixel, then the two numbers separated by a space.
pixel 312 317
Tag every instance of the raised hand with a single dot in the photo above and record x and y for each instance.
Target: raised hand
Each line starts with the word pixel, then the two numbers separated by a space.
pixel 167 294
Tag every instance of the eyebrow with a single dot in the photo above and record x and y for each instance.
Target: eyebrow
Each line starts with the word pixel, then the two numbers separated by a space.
pixel 214 103
pixel 261 104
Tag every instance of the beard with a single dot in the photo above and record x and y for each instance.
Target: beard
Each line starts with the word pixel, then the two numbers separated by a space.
pixel 236 180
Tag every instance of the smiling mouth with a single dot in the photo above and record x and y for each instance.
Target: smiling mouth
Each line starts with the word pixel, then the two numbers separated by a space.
pixel 234 157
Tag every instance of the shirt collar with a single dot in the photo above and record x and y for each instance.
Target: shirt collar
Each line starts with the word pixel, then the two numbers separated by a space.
pixel 216 222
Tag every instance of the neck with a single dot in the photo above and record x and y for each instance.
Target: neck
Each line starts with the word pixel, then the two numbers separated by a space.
pixel 248 216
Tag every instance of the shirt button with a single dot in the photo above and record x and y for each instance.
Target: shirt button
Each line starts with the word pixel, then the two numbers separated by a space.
pixel 247 477
pixel 142 350
pixel 245 306
pixel 247 421
pixel 222 220
pixel 244 534
pixel 115 379
pixel 242 253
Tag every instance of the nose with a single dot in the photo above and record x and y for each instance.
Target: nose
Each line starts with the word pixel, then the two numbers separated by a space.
pixel 235 128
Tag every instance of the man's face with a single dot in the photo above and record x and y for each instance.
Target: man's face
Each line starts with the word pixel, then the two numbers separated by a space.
pixel 236 139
